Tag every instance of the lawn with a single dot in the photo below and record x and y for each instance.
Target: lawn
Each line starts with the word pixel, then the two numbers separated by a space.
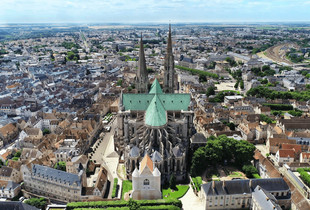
pixel 256 176
pixel 182 189
pixel 236 174
pixel 127 186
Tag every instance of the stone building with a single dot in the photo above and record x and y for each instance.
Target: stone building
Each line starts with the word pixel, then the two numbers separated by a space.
pixel 52 183
pixel 155 123
pixel 146 181
pixel 237 194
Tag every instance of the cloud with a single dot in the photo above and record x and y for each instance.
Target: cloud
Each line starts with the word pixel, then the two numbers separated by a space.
pixel 151 10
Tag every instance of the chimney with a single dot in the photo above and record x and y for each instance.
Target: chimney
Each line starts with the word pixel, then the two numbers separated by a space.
pixel 223 184
pixel 213 184
pixel 267 199
pixel 250 183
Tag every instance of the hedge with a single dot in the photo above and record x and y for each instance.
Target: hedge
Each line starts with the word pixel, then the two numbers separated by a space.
pixel 122 203
pixel 114 191
pixel 199 72
pixel 161 207
pixel 304 175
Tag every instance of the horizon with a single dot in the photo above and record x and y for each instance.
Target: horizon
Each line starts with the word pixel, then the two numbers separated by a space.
pixel 160 11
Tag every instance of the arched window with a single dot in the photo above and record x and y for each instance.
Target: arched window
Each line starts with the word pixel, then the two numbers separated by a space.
pixel 146 182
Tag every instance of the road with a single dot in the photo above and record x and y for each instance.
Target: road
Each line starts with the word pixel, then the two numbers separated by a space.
pixel 105 146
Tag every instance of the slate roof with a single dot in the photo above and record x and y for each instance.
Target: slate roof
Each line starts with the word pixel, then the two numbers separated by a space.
pixel 265 199
pixel 16 205
pixel 60 176
pixel 244 186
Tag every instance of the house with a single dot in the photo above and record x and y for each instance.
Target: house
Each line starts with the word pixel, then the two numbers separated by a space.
pixel 146 181
pixel 304 157
pixel 274 144
pixel 8 133
pixel 9 189
pixel 230 100
pixel 237 194
pixel 10 174
pixel 285 156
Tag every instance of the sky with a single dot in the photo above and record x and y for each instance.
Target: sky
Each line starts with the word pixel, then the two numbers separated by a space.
pixel 153 11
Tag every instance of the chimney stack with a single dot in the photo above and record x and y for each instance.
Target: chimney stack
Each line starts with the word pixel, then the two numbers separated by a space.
pixel 213 184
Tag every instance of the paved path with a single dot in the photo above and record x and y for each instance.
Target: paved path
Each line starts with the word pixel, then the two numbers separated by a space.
pixel 106 156
pixel 191 201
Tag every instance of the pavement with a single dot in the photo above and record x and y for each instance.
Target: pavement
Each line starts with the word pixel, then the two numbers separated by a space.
pixel 106 156
pixel 191 201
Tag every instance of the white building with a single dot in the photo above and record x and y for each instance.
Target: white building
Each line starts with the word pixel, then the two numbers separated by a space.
pixel 146 181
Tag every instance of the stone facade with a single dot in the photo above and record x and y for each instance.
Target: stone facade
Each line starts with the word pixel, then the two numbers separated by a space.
pixel 146 181
pixel 155 123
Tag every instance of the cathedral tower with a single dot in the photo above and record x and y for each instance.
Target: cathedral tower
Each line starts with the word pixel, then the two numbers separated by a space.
pixel 169 67
pixel 142 79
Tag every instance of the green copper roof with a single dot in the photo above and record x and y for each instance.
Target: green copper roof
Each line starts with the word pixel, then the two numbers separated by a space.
pixel 156 103
pixel 155 88
pixel 155 114
pixel 171 102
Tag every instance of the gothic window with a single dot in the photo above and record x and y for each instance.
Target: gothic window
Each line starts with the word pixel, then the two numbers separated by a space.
pixel 146 182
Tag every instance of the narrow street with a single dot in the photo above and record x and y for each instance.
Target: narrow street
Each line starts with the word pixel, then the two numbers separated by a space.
pixel 105 155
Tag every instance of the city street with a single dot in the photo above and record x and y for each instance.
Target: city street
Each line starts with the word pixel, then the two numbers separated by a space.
pixel 105 155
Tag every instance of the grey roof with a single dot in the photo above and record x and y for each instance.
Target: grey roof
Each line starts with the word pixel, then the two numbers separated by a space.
pixel 177 151
pixel 198 138
pixel 134 152
pixel 6 171
pixel 156 157
pixel 243 186
pixel 264 199
pixel 16 205
pixel 54 174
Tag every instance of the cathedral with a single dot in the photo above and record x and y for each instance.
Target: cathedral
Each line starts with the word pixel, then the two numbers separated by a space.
pixel 155 122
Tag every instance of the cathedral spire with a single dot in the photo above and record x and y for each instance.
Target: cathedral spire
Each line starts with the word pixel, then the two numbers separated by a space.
pixel 169 66
pixel 142 75
pixel 169 45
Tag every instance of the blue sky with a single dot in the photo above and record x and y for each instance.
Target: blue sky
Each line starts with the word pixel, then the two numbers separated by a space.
pixel 137 11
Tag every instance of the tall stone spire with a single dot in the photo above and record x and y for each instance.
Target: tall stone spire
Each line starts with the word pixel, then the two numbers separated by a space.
pixel 169 67
pixel 142 79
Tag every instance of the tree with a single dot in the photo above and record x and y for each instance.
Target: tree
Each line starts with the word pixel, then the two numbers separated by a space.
pixel 37 202
pixel 210 91
pixel 61 165
pixel 244 152
pixel 172 182
pixel 198 162
pixel 46 131
pixel 241 85
pixel 119 82
pixel 249 170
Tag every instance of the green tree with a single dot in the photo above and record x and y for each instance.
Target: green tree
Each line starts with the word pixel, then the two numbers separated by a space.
pixel 37 202
pixel 198 162
pixel 46 131
pixel 61 165
pixel 210 91
pixel 172 182
pixel 119 82
pixel 244 152
pixel 249 170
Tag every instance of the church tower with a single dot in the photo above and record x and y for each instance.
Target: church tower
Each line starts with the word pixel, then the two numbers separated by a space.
pixel 142 79
pixel 169 67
